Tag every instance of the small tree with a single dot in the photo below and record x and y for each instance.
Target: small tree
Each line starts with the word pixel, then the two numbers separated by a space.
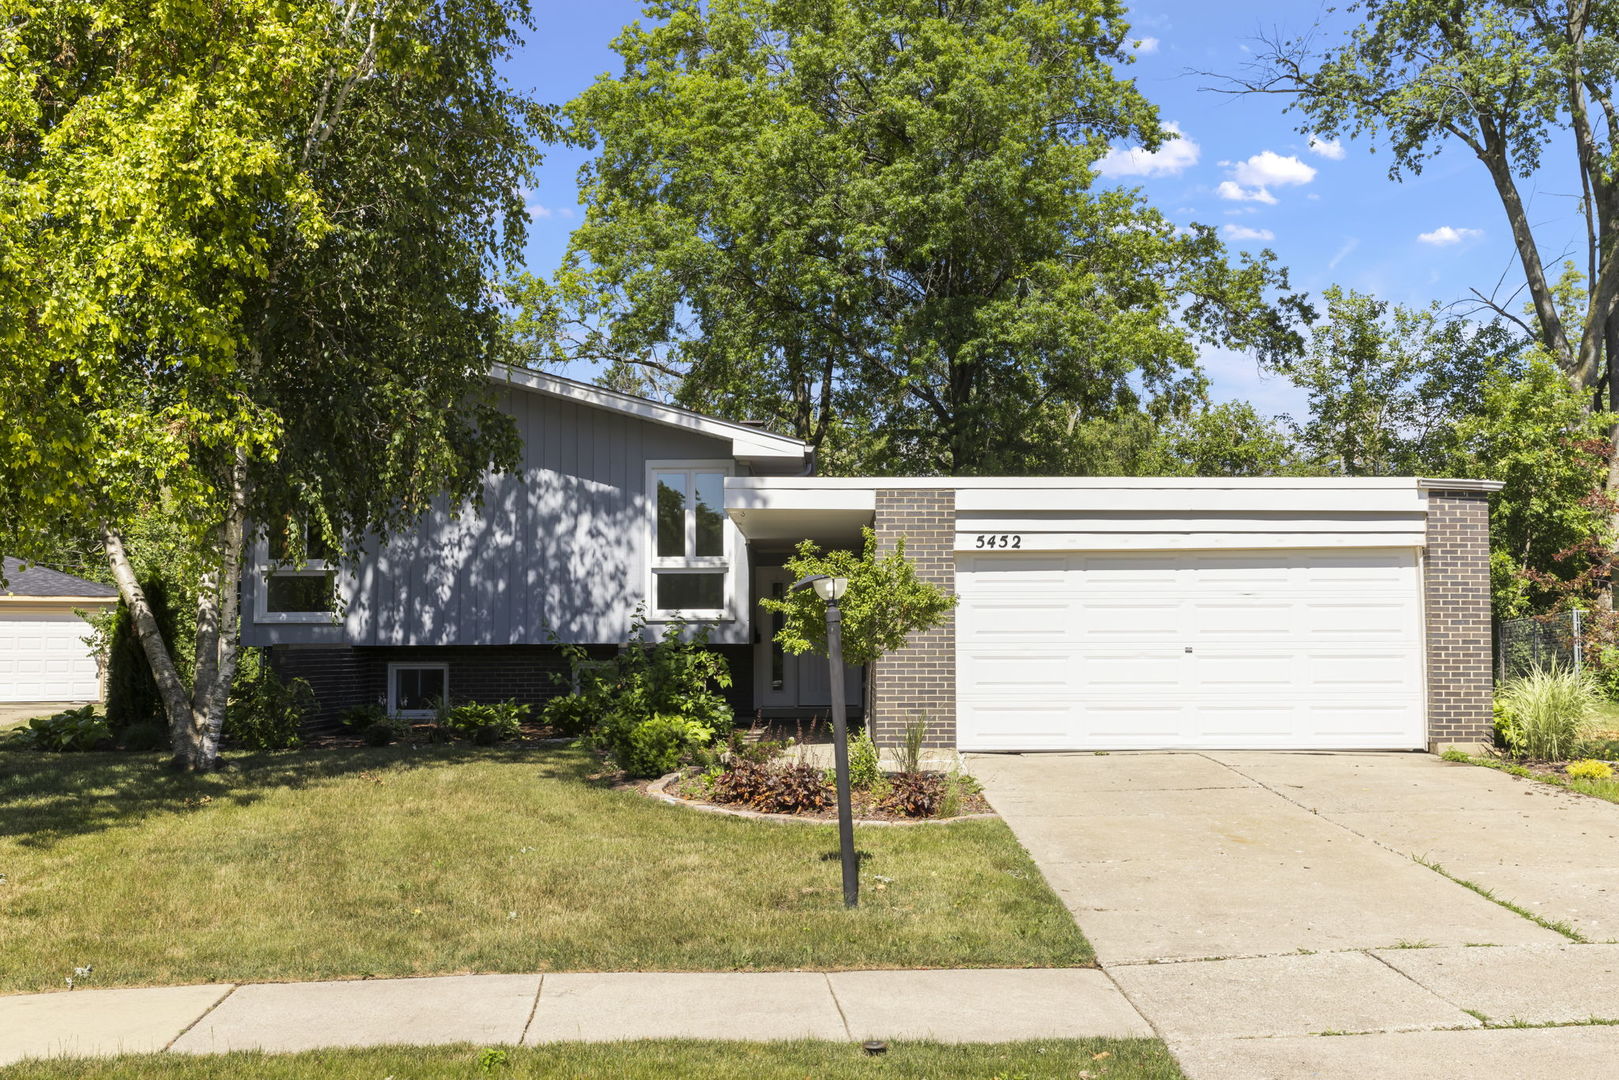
pixel 886 603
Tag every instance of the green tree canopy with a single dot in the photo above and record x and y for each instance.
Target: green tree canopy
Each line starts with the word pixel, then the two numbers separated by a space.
pixel 1388 384
pixel 873 224
pixel 245 263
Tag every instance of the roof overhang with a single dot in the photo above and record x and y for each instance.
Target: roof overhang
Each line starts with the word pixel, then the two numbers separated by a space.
pixel 747 443
pixel 792 508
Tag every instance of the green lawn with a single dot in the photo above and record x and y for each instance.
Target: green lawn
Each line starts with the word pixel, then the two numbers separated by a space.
pixel 1101 1059
pixel 401 861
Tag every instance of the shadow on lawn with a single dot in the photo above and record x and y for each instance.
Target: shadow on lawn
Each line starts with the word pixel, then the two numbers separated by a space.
pixel 45 798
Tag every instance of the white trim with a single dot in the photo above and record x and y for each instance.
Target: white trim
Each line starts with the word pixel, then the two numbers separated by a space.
pixel 730 561
pixel 746 442
pixel 1428 483
pixel 264 568
pixel 393 688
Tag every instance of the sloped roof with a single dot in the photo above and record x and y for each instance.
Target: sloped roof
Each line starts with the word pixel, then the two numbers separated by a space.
pixel 43 581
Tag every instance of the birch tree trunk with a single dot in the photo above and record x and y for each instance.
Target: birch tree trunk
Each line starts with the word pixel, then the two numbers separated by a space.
pixel 176 705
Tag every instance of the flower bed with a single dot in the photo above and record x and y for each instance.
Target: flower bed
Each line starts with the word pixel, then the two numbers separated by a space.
pixel 795 789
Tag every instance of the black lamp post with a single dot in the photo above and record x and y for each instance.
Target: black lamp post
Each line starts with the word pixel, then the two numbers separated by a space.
pixel 831 590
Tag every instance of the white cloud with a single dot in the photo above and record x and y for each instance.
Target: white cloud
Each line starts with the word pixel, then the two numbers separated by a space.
pixel 1175 155
pixel 1445 236
pixel 1243 232
pixel 536 211
pixel 1144 46
pixel 1235 192
pixel 1333 151
pixel 1270 169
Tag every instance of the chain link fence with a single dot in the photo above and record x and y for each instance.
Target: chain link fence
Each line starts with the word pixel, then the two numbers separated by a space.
pixel 1540 641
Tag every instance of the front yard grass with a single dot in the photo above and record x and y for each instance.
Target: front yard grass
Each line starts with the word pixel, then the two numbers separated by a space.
pixel 1599 789
pixel 1102 1059
pixel 446 859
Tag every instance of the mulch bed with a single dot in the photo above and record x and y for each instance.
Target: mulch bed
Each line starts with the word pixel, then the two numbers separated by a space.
pixel 688 786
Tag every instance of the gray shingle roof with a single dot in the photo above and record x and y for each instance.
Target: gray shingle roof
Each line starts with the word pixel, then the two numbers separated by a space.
pixel 43 581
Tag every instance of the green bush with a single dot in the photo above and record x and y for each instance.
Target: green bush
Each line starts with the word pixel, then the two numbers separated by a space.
pixel 655 704
pixel 571 714
pixel 865 768
pixel 1590 770
pixel 1544 714
pixel 485 724
pixel 72 730
pixel 380 733
pixel 147 735
pixel 265 713
pixel 132 695
pixel 357 718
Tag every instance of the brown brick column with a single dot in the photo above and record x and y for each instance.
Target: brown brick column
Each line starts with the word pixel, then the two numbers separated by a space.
pixel 919 680
pixel 1456 598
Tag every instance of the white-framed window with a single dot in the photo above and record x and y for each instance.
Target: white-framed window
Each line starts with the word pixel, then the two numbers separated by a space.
pixel 693 550
pixel 415 690
pixel 297 577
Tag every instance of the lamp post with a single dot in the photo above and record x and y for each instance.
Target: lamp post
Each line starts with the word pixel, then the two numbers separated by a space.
pixel 831 590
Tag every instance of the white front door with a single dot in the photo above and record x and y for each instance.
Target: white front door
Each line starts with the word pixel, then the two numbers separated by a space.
pixel 1190 650
pixel 785 681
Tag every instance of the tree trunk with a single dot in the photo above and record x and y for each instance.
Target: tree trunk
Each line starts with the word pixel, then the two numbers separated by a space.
pixel 176 706
pixel 209 712
pixel 218 605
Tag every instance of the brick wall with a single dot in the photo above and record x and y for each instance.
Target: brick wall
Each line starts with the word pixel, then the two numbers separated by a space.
pixel 1456 599
pixel 920 679
pixel 342 677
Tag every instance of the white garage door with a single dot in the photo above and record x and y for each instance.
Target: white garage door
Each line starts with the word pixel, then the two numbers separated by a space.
pixel 44 658
pixel 1204 650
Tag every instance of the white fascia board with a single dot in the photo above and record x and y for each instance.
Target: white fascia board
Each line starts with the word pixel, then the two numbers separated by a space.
pixel 798 493
pixel 1428 483
pixel 746 442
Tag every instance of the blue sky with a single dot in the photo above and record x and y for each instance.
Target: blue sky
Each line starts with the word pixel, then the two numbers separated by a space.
pixel 1328 211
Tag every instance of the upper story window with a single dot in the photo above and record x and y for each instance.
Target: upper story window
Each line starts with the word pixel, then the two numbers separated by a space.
pixel 692 557
pixel 298 576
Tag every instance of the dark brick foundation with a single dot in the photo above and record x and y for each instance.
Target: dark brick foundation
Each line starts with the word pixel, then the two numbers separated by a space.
pixel 919 681
pixel 343 676
pixel 1456 597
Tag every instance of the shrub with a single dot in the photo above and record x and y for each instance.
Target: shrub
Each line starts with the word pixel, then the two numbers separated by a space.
pixel 382 732
pixel 865 768
pixel 268 714
pixel 783 788
pixel 913 794
pixel 147 735
pixel 71 730
pixel 571 714
pixel 132 695
pixel 655 704
pixel 485 724
pixel 1543 714
pixel 358 718
pixel 1590 770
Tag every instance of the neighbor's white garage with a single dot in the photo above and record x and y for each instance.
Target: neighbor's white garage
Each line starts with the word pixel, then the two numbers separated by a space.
pixel 43 657
pixel 1179 614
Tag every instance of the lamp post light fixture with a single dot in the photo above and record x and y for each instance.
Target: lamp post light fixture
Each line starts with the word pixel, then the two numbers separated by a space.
pixel 830 590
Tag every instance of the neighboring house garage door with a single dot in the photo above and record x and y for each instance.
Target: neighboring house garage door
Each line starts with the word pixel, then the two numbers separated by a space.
pixel 1211 650
pixel 44 658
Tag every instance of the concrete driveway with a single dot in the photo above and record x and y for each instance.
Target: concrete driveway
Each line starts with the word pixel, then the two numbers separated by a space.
pixel 1251 904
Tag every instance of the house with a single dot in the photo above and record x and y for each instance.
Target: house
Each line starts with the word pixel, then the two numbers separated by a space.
pixel 1096 612
pixel 43 656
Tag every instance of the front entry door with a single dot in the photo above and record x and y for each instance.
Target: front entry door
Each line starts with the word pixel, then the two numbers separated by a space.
pixel 784 681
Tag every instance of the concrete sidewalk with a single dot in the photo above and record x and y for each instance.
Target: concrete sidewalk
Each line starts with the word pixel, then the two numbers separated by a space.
pixel 952 1006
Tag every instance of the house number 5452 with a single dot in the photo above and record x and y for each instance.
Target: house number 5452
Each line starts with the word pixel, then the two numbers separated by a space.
pixel 997 540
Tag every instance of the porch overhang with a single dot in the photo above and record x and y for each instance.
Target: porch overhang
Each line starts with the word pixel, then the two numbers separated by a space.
pixel 782 510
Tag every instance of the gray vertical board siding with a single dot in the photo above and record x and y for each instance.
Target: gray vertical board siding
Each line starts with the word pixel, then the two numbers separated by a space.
pixel 560 544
